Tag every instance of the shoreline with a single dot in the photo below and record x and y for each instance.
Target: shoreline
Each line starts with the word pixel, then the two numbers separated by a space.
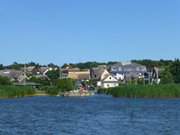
pixel 132 98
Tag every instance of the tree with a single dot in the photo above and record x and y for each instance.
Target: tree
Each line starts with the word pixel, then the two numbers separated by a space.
pixel 16 66
pixel 4 81
pixel 166 77
pixel 65 65
pixel 32 64
pixel 1 66
pixel 43 81
pixel 86 65
pixel 53 75
pixel 175 70
pixel 66 84
pixel 52 65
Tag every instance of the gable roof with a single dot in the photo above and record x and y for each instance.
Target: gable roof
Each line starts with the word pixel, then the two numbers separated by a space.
pixel 110 78
pixel 97 72
pixel 104 74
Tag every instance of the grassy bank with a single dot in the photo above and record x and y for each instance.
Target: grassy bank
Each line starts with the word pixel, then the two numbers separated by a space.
pixel 144 91
pixel 51 90
pixel 11 91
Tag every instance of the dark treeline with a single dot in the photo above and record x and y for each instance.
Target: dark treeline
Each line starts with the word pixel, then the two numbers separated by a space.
pixel 86 65
pixel 146 62
pixel 18 66
pixel 155 63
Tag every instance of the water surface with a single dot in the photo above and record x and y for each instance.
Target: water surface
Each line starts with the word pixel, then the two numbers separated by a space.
pixel 97 115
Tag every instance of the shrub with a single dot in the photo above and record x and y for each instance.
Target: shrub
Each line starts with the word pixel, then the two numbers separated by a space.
pixel 4 81
pixel 65 84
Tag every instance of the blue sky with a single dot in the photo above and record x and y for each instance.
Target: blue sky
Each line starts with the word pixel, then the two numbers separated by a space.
pixel 63 31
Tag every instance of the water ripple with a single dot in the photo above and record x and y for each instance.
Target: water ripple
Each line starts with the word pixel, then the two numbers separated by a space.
pixel 98 115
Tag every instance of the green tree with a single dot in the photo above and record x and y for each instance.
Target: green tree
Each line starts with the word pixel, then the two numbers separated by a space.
pixel 43 81
pixel 4 81
pixel 1 66
pixel 32 64
pixel 166 76
pixel 53 75
pixel 52 65
pixel 175 70
pixel 65 84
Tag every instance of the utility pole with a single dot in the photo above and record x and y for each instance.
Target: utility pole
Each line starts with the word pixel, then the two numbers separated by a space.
pixel 24 83
pixel 60 73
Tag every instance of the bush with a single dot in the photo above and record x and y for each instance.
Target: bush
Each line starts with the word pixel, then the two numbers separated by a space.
pixel 65 84
pixel 166 77
pixel 43 81
pixel 4 81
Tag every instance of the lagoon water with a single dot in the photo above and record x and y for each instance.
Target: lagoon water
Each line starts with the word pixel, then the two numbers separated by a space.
pixel 97 115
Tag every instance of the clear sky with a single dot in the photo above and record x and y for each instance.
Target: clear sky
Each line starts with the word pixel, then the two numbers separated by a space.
pixel 63 31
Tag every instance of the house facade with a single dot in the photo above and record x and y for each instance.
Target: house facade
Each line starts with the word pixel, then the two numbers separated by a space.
pixel 106 80
pixel 79 74
pixel 128 71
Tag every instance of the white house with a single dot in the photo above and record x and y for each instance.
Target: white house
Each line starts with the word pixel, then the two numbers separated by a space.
pixel 108 82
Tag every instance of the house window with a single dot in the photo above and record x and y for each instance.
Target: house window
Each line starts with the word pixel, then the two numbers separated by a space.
pixel 110 78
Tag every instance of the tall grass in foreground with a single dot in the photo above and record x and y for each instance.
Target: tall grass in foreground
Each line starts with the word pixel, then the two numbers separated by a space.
pixel 12 91
pixel 144 91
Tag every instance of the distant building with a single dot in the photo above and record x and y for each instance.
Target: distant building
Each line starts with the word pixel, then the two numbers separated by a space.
pixel 39 71
pixel 79 74
pixel 127 71
pixel 13 75
pixel 97 72
pixel 29 69
pixel 106 80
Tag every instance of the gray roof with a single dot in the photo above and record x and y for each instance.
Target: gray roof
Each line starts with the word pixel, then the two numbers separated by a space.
pixel 97 72
pixel 130 67
pixel 11 73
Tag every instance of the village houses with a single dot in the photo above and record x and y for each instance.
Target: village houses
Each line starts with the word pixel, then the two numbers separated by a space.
pixel 105 76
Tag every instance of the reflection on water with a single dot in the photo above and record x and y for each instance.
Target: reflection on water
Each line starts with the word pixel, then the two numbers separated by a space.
pixel 98 115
